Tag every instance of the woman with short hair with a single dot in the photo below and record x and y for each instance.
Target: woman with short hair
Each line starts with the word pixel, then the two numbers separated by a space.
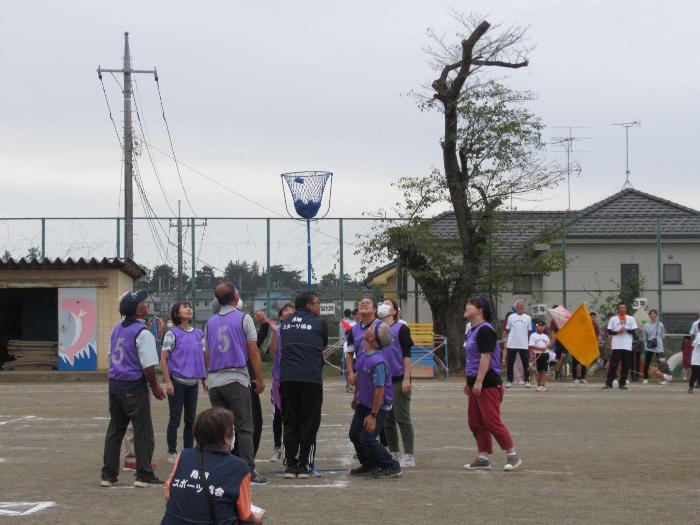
pixel 654 333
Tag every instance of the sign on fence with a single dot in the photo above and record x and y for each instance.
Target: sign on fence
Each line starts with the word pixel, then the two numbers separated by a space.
pixel 539 309
pixel 327 308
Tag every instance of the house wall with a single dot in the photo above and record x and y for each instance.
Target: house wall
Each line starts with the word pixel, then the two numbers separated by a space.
pixel 110 284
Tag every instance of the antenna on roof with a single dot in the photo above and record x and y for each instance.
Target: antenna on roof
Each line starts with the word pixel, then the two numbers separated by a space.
pixel 568 144
pixel 627 126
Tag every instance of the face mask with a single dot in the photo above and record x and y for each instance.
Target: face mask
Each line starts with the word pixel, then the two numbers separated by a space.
pixel 240 304
pixel 233 442
pixel 383 310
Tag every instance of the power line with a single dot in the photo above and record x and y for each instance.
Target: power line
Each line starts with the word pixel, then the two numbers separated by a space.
pixel 172 148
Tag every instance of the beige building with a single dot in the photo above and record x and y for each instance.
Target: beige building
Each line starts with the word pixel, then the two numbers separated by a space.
pixel 71 302
pixel 606 245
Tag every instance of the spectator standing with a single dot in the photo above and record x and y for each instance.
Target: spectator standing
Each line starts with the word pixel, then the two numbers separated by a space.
pixel 654 333
pixel 518 329
pixel 620 327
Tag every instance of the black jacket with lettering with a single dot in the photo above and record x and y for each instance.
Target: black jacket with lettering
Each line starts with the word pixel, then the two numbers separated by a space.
pixel 304 337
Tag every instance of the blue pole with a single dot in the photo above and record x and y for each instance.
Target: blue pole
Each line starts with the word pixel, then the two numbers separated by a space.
pixel 308 253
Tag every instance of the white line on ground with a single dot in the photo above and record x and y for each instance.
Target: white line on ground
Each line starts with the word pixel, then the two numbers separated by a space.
pixel 333 485
pixel 16 420
pixel 16 508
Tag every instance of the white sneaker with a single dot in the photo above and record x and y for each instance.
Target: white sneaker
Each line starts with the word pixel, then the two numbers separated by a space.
pixel 277 455
pixel 544 389
pixel 616 383
pixel 407 461
pixel 645 382
pixel 172 457
pixel 528 385
pixel 663 382
pixel 583 381
pixel 538 389
pixel 508 385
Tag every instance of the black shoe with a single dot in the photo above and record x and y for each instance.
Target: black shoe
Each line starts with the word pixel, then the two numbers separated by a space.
pixel 363 471
pixel 108 482
pixel 149 482
pixel 291 472
pixel 257 479
pixel 607 387
pixel 305 472
pixel 388 472
pixel 623 387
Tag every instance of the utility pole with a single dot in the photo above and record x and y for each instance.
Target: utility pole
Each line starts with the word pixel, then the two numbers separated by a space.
pixel 128 145
pixel 627 126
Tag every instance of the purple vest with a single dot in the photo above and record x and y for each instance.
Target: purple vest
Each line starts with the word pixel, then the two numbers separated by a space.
pixel 278 357
pixel 358 336
pixel 365 385
pixel 124 363
pixel 228 345
pixel 394 353
pixel 187 356
pixel 473 355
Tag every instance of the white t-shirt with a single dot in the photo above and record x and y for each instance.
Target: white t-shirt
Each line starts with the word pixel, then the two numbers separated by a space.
pixel 519 328
pixel 694 327
pixel 622 341
pixel 539 342
pixel 695 357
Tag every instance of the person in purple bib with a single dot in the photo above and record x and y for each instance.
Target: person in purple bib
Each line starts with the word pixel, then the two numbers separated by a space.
pixel 230 339
pixel 182 363
pixel 355 337
pixel 484 386
pixel 132 368
pixel 372 403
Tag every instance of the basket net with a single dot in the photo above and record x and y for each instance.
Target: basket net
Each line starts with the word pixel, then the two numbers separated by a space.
pixel 306 189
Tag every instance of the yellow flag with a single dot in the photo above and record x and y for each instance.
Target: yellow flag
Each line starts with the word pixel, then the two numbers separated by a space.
pixel 578 336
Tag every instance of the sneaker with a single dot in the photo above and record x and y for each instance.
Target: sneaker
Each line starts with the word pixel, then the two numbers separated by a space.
pixel 512 462
pixel 690 390
pixel 149 482
pixel 277 455
pixel 615 382
pixel 305 473
pixel 623 387
pixel 407 461
pixel 645 382
pixel 607 387
pixel 539 388
pixel 131 466
pixel 388 472
pixel 396 456
pixel 290 473
pixel 480 463
pixel 527 385
pixel 107 482
pixel 362 470
pixel 583 381
pixel 544 389
pixel 257 479
pixel 663 382
pixel 172 457
pixel 508 385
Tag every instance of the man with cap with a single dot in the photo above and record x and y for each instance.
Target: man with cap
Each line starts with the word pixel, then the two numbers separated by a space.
pixel 132 368
pixel 230 340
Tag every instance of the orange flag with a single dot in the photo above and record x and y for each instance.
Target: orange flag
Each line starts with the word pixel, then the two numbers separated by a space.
pixel 578 336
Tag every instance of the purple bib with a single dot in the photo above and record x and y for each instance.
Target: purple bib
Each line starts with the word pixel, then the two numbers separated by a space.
pixel 394 353
pixel 278 357
pixel 228 345
pixel 124 363
pixel 187 356
pixel 365 385
pixel 473 355
pixel 358 336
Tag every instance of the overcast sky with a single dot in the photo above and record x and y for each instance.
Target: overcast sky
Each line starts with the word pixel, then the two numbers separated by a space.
pixel 255 89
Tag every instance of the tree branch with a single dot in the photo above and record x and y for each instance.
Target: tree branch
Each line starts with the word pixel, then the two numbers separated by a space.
pixel 500 63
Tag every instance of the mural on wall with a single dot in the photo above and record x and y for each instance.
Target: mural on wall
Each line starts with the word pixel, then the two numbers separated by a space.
pixel 77 329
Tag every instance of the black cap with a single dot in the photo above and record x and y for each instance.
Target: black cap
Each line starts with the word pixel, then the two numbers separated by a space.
pixel 130 302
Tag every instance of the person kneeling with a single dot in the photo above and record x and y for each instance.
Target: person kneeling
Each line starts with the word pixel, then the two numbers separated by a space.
pixel 372 403
pixel 208 485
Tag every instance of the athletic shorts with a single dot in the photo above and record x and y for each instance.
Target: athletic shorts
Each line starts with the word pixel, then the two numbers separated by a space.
pixel 542 362
pixel 559 350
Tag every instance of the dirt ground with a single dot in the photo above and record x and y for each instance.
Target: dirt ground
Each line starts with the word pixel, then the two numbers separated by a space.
pixel 590 457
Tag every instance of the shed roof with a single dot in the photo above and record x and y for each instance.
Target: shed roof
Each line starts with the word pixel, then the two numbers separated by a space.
pixel 126 266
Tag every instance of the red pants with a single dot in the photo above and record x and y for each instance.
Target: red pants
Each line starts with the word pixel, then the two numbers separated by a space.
pixel 484 418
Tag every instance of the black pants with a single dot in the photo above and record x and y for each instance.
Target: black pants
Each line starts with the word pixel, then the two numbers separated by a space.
pixel 648 358
pixel 636 365
pixel 236 398
pixel 370 452
pixel 301 411
pixel 134 408
pixel 524 357
pixel 185 396
pixel 574 373
pixel 617 356
pixel 277 427
pixel 257 418
pixel 694 375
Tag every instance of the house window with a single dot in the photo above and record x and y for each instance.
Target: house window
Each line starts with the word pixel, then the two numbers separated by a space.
pixel 672 274
pixel 629 278
pixel 522 284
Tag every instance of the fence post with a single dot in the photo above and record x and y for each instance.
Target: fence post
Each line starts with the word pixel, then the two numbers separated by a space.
pixel 342 269
pixel 269 277
pixel 659 267
pixel 43 238
pixel 118 237
pixel 193 281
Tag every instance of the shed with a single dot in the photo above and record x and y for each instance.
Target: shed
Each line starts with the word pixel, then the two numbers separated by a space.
pixel 73 302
